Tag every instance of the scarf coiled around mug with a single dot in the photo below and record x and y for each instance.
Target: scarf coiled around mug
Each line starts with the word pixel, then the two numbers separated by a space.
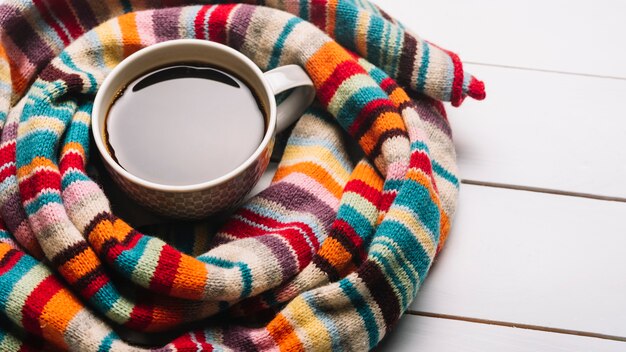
pixel 327 258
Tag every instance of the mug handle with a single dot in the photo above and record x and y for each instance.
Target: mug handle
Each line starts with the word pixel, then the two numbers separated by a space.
pixel 284 78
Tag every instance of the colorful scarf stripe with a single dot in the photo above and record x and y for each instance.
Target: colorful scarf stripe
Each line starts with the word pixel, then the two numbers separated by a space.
pixel 328 257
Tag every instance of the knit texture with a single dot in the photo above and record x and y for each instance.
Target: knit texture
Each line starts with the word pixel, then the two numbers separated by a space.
pixel 327 258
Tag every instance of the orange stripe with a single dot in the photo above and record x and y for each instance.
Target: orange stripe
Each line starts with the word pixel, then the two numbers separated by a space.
pixel 314 171
pixel 39 161
pixel 323 63
pixel 283 333
pixel 56 316
pixel 75 147
pixel 130 36
pixel 190 286
pixel 399 96
pixel 80 265
pixel 335 253
pixel 331 17
pixel 383 123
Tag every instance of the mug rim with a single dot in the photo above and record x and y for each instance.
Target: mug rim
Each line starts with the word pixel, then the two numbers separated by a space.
pixel 105 86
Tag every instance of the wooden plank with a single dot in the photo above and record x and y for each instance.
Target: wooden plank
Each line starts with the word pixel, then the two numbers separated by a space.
pixel 425 334
pixel 572 36
pixel 532 258
pixel 544 130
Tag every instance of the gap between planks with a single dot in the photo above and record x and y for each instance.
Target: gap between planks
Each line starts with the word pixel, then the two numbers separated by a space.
pixel 543 190
pixel 569 73
pixel 518 326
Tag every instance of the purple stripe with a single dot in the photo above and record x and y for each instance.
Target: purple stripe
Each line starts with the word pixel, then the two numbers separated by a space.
pixel 428 114
pixel 84 14
pixel 24 37
pixel 283 253
pixel 165 23
pixel 239 26
pixel 237 338
pixel 407 60
pixel 295 198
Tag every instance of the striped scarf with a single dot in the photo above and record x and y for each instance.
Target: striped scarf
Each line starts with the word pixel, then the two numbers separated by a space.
pixel 327 258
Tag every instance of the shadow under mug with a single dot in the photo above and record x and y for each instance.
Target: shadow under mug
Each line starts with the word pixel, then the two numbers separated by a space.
pixel 218 194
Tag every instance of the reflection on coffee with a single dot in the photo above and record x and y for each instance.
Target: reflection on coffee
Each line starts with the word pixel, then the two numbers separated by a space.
pixel 184 124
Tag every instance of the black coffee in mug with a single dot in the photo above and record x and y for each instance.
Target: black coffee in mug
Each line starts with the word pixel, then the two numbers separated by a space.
pixel 184 124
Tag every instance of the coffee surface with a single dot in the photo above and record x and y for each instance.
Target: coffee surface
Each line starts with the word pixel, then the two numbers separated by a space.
pixel 184 124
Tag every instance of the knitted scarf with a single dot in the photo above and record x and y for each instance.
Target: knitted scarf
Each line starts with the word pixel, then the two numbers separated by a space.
pixel 327 258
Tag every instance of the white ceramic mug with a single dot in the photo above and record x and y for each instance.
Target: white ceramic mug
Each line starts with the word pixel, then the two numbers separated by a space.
pixel 226 191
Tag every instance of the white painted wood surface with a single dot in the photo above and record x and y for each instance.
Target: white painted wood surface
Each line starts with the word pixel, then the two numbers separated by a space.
pixel 532 258
pixel 544 130
pixel 419 334
pixel 583 37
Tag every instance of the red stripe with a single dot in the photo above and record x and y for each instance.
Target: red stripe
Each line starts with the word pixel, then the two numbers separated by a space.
pixel 42 179
pixel 199 21
pixel 7 153
pixel 318 13
pixel 364 190
pixel 35 303
pixel 421 161
pixel 119 247
pixel 386 200
pixel 366 114
pixel 347 230
pixel 141 316
pixel 275 225
pixel 15 257
pixel 94 285
pixel 293 235
pixel 8 172
pixel 65 14
pixel 71 160
pixel 166 270
pixel 43 11
pixel 342 72
pixel 217 23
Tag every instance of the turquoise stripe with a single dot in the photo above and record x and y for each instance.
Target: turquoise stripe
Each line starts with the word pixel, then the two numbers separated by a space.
pixel 304 9
pixel 378 75
pixel 447 175
pixel 407 243
pixel 11 277
pixel 416 196
pixel 105 298
pixel 357 221
pixel 356 102
pixel 71 177
pixel 419 145
pixel 362 307
pixel 246 273
pixel 107 342
pixel 393 185
pixel 35 144
pixel 423 70
pixel 374 37
pixel 280 42
pixel 345 25
pixel 396 53
pixel 128 259
pixel 42 200
pixel 67 60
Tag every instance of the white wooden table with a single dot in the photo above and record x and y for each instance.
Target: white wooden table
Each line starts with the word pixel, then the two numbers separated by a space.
pixel 536 260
